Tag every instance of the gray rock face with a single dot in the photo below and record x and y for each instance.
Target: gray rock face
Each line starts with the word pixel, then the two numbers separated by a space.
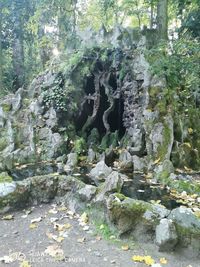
pixel 71 162
pixel 139 164
pixel 166 166
pixel 87 192
pixel 91 155
pixel 166 236
pixel 126 162
pixel 186 218
pixel 7 188
pixel 113 182
pixel 100 172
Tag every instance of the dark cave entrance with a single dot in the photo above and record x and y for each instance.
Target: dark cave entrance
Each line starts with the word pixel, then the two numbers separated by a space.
pixel 98 123
pixel 115 117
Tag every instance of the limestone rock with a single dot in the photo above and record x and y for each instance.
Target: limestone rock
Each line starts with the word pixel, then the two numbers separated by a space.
pixel 185 218
pixel 87 192
pixel 91 155
pixel 166 236
pixel 126 162
pixel 100 172
pixel 7 188
pixel 113 184
pixel 71 162
pixel 139 164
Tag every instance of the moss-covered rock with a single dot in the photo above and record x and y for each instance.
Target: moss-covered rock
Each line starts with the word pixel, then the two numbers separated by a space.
pixel 5 178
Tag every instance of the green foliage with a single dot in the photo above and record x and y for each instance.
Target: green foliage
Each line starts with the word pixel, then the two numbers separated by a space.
pixel 56 96
pixel 79 145
pixel 178 63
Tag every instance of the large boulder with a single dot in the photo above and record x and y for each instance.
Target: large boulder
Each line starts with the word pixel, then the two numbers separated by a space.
pixel 132 215
pixel 166 235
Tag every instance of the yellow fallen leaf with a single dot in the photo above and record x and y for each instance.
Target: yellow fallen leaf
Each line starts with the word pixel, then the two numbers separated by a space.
pixel 61 227
pixel 138 258
pixel 54 251
pixel 63 208
pixel 163 261
pixel 125 248
pixel 8 217
pixel 188 144
pixel 190 130
pixel 84 217
pixel 53 211
pixel 25 264
pixel 148 260
pixel 187 169
pixel 197 214
pixel 156 161
pixel 33 226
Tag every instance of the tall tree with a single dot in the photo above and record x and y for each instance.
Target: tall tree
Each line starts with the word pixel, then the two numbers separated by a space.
pixel 18 44
pixel 1 53
pixel 162 19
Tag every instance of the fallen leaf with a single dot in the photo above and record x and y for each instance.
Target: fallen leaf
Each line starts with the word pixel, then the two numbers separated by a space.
pixel 86 228
pixel 61 227
pixel 84 218
pixel 8 217
pixel 148 260
pixel 190 131
pixel 163 261
pixel 63 208
pixel 36 220
pixel 53 211
pixel 54 251
pixel 81 240
pixel 33 226
pixel 25 264
pixel 156 161
pixel 125 247
pixel 138 258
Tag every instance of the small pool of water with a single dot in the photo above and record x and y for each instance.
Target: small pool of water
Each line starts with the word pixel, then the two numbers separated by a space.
pixel 137 187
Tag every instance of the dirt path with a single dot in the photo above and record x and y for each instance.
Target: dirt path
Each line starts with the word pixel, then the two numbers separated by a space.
pixel 81 245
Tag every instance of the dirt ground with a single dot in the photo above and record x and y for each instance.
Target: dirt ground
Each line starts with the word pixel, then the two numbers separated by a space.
pixel 58 238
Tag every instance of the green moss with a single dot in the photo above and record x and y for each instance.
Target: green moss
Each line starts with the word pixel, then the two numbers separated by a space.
pixel 110 139
pixel 5 178
pixel 184 232
pixel 163 148
pixel 132 207
pixel 79 145
pixel 120 196
pixel 3 143
pixel 6 107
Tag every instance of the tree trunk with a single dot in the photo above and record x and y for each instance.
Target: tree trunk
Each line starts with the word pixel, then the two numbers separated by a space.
pixel 151 19
pixel 162 19
pixel 1 53
pixel 18 47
